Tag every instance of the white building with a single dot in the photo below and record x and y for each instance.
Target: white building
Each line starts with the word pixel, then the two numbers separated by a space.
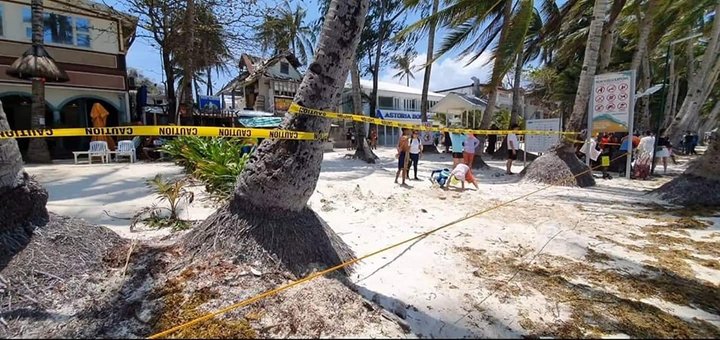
pixel 87 40
pixel 504 96
pixel 396 102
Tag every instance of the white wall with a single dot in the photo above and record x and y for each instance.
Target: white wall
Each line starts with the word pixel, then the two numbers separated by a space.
pixel 103 33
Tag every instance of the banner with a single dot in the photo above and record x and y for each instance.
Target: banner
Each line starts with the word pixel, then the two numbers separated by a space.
pixel 427 137
pixel 542 143
pixel 611 102
pixel 282 104
pixel 209 103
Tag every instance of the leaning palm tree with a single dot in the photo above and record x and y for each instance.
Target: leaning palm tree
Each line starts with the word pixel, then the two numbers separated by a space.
pixel 268 218
pixel 37 65
pixel 286 30
pixel 403 63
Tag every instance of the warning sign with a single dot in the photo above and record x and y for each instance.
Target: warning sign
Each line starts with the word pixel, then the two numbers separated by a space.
pixel 612 104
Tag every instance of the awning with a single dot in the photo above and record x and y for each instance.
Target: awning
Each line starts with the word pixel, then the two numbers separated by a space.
pixel 260 122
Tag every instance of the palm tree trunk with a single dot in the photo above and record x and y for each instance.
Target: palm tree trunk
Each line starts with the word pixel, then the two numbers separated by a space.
pixel 699 86
pixel 609 35
pixel 376 62
pixel 209 82
pixel 22 200
pixel 671 96
pixel 644 122
pixel 646 25
pixel 37 147
pixel 560 166
pixel 362 148
pixel 424 104
pixel 268 218
pixel 170 92
pixel 515 113
pixel 188 67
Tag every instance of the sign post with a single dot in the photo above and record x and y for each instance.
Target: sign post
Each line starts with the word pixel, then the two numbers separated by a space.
pixel 611 107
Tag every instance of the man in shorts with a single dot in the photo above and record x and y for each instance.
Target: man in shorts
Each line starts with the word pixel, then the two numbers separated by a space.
pixel 458 141
pixel 512 145
pixel 403 156
pixel 462 173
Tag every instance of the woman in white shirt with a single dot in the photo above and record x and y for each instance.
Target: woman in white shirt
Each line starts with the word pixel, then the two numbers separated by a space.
pixel 416 148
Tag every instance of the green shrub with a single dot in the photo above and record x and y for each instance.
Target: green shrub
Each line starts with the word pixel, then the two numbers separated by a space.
pixel 217 162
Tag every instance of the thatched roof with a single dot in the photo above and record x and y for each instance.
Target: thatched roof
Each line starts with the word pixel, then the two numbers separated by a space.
pixel 36 62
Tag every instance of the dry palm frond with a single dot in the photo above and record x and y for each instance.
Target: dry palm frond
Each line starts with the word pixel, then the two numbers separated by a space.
pixel 36 62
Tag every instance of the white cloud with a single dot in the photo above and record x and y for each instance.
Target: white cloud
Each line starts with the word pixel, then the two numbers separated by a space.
pixel 446 73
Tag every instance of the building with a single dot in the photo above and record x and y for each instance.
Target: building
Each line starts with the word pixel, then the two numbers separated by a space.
pixel 89 41
pixel 395 102
pixel 263 84
pixel 504 96
pixel 458 109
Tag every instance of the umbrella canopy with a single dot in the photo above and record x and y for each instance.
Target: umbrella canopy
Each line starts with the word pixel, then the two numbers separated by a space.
pixel 99 115
pixel 36 62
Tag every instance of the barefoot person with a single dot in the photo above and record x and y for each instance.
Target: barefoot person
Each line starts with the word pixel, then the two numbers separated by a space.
pixel 462 173
pixel 416 148
pixel 469 149
pixel 513 145
pixel 403 156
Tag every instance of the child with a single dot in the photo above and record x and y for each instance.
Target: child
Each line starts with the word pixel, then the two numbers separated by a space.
pixel 440 177
pixel 462 173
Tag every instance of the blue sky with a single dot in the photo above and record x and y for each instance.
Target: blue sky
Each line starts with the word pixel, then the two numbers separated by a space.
pixel 447 71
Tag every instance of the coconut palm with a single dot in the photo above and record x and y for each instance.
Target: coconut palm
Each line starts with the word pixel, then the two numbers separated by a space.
pixel 285 30
pixel 268 218
pixel 403 63
pixel 432 27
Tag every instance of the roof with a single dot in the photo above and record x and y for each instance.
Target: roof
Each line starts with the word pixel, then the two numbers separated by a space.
pixel 457 103
pixel 260 122
pixel 367 85
pixel 256 66
pixel 452 89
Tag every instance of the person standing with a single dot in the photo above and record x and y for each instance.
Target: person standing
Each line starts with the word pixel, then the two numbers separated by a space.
pixel 469 147
pixel 416 148
pixel 403 149
pixel 643 161
pixel 458 139
pixel 373 138
pixel 447 141
pixel 512 145
pixel 349 138
pixel 663 150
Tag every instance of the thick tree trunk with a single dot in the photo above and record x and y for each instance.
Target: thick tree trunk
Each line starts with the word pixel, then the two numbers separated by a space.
pixel 671 98
pixel 644 121
pixel 37 147
pixel 558 166
pixel 424 104
pixel 268 218
pixel 376 62
pixel 609 35
pixel 169 85
pixel 646 24
pixel 362 148
pixel 700 184
pixel 22 200
pixel 712 120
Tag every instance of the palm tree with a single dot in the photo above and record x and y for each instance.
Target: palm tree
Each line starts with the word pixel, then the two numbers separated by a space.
pixel 37 65
pixel 268 218
pixel 432 27
pixel 403 63
pixel 286 30
pixel 22 200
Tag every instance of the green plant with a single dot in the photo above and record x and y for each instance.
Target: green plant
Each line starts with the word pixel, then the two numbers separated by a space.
pixel 217 162
pixel 172 191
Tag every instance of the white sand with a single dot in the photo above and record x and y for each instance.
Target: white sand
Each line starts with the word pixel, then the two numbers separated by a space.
pixel 430 282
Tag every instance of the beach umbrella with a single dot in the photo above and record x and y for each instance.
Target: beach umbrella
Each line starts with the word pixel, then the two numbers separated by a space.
pixel 36 62
pixel 99 115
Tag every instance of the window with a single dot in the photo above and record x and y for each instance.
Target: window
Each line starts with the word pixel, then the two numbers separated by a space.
pixel 386 102
pixel 284 68
pixel 1 20
pixel 410 104
pixel 60 29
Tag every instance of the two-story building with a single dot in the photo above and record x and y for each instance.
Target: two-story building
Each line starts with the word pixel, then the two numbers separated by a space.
pixel 504 96
pixel 89 41
pixel 267 85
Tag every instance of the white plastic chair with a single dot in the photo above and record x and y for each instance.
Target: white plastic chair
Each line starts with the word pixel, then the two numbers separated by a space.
pixel 99 149
pixel 125 148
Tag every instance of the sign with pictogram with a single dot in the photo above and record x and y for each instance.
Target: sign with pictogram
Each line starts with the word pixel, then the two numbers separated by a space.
pixel 611 105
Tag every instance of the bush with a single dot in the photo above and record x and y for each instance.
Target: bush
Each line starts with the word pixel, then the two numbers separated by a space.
pixel 217 162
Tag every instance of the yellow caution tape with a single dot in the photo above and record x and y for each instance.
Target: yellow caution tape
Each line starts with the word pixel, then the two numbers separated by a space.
pixel 204 131
pixel 297 109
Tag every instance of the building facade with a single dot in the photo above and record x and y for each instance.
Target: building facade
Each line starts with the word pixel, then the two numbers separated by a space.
pixel 267 85
pixel 504 96
pixel 89 41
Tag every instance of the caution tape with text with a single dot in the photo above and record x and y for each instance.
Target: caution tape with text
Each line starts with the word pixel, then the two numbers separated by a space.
pixel 297 109
pixel 204 131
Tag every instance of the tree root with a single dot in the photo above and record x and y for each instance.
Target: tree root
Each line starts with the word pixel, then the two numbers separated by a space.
pixel 292 241
pixel 22 209
pixel 691 190
pixel 479 163
pixel 559 166
pixel 502 153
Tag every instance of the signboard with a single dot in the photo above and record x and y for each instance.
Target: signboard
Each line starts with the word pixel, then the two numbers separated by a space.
pixel 282 104
pixel 400 116
pixel 611 102
pixel 427 137
pixel 541 143
pixel 209 103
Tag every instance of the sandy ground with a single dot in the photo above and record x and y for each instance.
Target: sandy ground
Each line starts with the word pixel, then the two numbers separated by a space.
pixel 541 264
